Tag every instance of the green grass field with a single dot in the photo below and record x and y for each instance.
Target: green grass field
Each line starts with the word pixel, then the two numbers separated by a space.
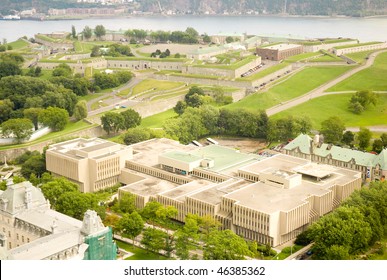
pixel 327 58
pixel 150 84
pixel 70 128
pixel 139 253
pixel 359 57
pixel 295 86
pixel 322 108
pixel 372 78
pixel 156 121
pixel 18 44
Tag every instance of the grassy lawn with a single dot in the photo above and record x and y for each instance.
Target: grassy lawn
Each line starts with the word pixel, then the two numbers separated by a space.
pixel 70 128
pixel 170 95
pixel 156 121
pixel 372 78
pixel 19 44
pixel 139 254
pixel 297 85
pixel 232 66
pixel 264 72
pixel 150 84
pixel 336 105
pixel 359 57
pixel 327 58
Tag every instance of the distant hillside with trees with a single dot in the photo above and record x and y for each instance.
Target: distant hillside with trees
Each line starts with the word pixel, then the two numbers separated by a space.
pixel 292 7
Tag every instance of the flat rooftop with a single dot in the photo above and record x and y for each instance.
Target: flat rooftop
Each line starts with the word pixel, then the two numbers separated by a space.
pixel 182 191
pixel 282 47
pixel 147 153
pixel 224 158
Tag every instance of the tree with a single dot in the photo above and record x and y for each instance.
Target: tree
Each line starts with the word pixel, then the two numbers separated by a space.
pixel 53 189
pixel 361 99
pixel 55 118
pixel 192 97
pixel 348 138
pixel 131 225
pixel 225 245
pixel 229 39
pixel 126 204
pixel 346 227
pixel 80 110
pixel 364 137
pixel 332 129
pixel 63 70
pixel 130 118
pixel 185 237
pixel 20 129
pixel 153 239
pixel 112 122
pixel 99 31
pixel 6 108
pixel 377 145
pixel 192 32
pixel 135 135
pixel 149 212
pixel 73 32
pixel 9 69
pixel 206 39
pixel 33 115
pixel 383 137
pixel 180 107
pixel 34 165
pixel 87 32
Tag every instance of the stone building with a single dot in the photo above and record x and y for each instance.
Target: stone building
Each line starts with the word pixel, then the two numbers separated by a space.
pixel 30 230
pixel 371 166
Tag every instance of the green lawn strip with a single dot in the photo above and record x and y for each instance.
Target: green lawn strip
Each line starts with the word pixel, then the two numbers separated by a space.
pixel 90 96
pixel 139 253
pixel 315 43
pixel 326 58
pixel 151 84
pixel 97 105
pixel 320 109
pixel 170 95
pixel 356 45
pixel 359 57
pixel 130 58
pixel 287 251
pixel 157 120
pixel 297 85
pixel 372 78
pixel 18 44
pixel 264 72
pixel 70 128
pixel 302 56
pixel 232 66
pixel 195 76
pixel 124 93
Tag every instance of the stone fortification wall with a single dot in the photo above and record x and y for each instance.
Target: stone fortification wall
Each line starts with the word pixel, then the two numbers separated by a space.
pixel 317 48
pixel 219 72
pixel 145 64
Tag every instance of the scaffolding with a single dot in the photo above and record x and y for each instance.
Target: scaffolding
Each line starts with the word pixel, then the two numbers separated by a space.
pixel 101 246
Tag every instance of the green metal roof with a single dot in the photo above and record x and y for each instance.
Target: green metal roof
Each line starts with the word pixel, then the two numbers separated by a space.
pixel 381 159
pixel 224 158
pixel 302 141
pixel 182 156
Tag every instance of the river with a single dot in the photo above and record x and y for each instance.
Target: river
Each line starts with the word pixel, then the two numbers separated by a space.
pixel 364 29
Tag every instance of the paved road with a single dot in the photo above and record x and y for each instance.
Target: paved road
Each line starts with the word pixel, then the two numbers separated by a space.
pixel 317 92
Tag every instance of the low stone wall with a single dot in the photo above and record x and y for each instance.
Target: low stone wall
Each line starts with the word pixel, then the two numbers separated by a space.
pixel 149 108
pixel 145 64
pixel 190 80
pixel 317 48
pixel 361 48
pixel 38 133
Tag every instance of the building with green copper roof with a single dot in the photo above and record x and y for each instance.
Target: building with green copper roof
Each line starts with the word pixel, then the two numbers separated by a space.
pixel 372 166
